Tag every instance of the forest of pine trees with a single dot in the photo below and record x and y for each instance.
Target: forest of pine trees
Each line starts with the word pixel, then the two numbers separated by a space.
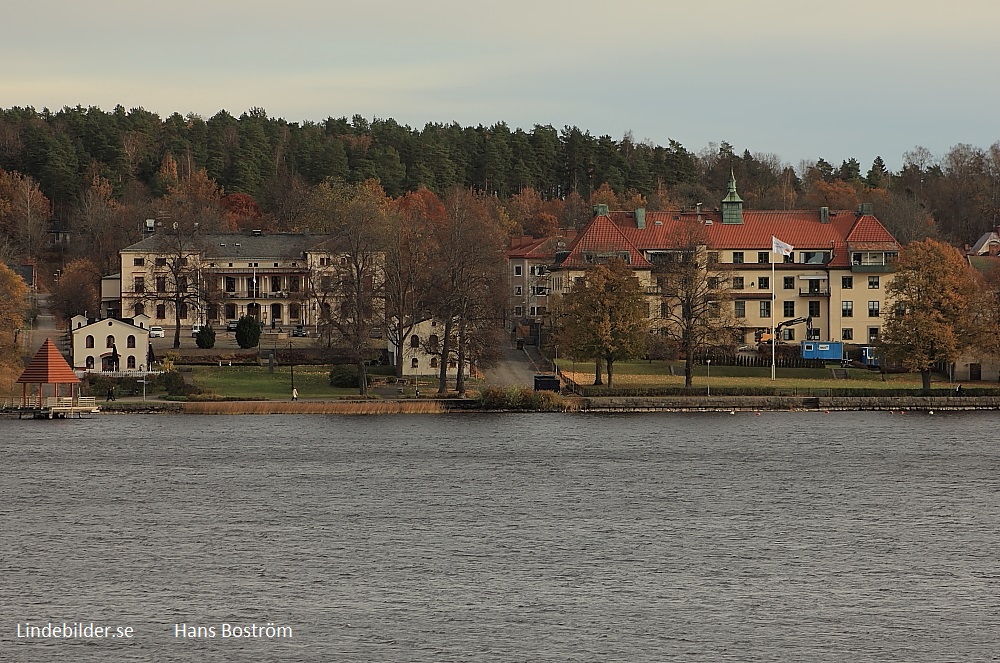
pixel 98 173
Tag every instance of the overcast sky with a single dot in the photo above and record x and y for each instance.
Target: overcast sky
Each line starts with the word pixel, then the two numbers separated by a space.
pixel 800 79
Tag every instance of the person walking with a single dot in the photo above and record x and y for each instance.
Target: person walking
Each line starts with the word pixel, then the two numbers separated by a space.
pixel 111 394
pixel 295 394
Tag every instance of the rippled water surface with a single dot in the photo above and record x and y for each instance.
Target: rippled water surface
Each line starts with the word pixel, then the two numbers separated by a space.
pixel 695 537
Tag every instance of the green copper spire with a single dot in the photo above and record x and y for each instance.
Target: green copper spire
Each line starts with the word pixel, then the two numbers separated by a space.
pixel 732 204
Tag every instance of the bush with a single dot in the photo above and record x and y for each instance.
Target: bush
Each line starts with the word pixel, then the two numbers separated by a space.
pixel 247 332
pixel 205 337
pixel 521 398
pixel 345 375
pixel 173 383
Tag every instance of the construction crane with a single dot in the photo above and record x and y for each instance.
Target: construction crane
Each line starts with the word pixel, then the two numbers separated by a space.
pixel 765 338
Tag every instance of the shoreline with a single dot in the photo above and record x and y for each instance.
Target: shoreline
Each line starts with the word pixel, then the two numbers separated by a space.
pixel 721 404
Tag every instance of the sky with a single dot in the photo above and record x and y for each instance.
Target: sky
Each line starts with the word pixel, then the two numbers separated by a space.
pixel 798 79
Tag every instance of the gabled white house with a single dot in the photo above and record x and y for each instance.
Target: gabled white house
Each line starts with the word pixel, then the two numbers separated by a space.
pixel 95 343
pixel 420 352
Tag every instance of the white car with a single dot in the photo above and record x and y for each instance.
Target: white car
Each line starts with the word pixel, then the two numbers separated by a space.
pixel 156 332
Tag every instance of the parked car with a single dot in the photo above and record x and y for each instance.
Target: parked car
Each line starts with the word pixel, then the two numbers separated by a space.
pixel 156 332
pixel 231 325
pixel 195 329
pixel 300 331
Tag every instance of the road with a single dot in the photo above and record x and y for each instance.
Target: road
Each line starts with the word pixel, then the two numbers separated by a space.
pixel 514 369
pixel 45 327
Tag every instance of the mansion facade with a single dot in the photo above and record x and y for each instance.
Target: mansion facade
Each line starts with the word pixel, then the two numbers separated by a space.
pixel 219 277
pixel 836 274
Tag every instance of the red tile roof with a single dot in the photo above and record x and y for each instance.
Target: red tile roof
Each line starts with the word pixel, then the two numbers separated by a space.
pixel 801 229
pixel 602 235
pixel 544 248
pixel 48 367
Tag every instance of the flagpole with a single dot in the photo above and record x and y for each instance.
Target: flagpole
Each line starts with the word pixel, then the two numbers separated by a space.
pixel 774 312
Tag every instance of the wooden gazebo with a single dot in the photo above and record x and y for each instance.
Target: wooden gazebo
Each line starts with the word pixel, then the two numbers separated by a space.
pixel 48 367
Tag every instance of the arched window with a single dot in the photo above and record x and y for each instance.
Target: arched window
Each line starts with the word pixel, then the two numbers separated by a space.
pixel 90 363
pixel 90 341
pixel 131 361
pixel 434 362
pixel 130 341
pixel 414 363
pixel 414 341
pixel 110 341
pixel 432 341
pixel 139 308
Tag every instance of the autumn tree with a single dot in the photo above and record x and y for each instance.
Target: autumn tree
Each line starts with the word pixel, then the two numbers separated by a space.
pixel 241 212
pixel 356 216
pixel 24 215
pixel 529 212
pixel 576 213
pixel 603 317
pixel 695 295
pixel 468 272
pixel 102 226
pixel 409 251
pixel 835 195
pixel 605 195
pixel 13 308
pixel 934 314
pixel 902 215
pixel 191 208
pixel 78 291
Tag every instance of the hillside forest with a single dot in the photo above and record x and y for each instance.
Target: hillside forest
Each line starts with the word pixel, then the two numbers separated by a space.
pixel 96 175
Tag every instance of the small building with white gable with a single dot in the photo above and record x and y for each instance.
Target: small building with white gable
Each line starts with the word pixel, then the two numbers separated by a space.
pixel 421 352
pixel 97 342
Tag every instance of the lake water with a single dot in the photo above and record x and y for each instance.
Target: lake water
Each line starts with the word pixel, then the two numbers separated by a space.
pixel 548 537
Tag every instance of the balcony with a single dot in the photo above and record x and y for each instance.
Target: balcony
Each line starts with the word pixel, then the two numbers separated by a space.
pixel 814 292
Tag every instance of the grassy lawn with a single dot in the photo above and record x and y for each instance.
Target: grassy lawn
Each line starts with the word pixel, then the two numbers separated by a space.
pixel 258 382
pixel 657 374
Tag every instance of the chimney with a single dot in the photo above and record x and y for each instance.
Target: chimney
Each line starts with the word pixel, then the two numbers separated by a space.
pixel 640 218
pixel 600 210
pixel 824 215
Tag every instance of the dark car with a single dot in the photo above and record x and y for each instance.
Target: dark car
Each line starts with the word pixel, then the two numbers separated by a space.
pixel 300 331
pixel 231 325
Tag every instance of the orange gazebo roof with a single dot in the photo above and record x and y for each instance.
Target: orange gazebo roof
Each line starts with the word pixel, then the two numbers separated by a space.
pixel 48 367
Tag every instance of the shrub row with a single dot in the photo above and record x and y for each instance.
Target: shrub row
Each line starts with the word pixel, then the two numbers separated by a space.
pixel 521 398
pixel 848 392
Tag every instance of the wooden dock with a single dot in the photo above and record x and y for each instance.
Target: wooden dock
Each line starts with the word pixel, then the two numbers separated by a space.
pixel 54 407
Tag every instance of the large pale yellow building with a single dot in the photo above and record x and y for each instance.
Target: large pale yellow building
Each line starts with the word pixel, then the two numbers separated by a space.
pixel 836 273
pixel 277 278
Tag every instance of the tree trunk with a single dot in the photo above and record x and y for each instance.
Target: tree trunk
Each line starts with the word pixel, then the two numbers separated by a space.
pixel 598 378
pixel 400 342
pixel 611 374
pixel 460 377
pixel 688 345
pixel 445 353
pixel 925 379
pixel 362 377
pixel 177 325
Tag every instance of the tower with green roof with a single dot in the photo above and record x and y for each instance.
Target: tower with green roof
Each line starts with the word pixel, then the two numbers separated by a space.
pixel 732 204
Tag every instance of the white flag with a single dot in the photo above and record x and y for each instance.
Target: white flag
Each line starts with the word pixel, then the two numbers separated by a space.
pixel 781 247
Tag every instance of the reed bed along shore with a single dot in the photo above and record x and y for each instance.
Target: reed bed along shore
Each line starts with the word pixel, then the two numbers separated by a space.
pixel 313 407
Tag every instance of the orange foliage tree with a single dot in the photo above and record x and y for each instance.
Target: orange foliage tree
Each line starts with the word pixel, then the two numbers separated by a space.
pixel 13 306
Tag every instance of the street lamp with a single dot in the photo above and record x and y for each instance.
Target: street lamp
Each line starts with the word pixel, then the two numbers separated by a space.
pixel 708 378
